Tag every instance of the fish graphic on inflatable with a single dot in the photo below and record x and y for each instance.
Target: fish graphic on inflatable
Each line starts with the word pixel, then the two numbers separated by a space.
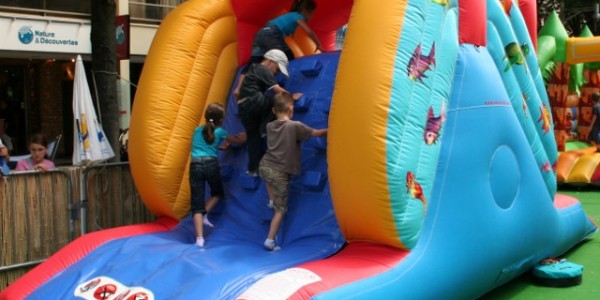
pixel 433 126
pixel 419 63
pixel 545 118
pixel 414 189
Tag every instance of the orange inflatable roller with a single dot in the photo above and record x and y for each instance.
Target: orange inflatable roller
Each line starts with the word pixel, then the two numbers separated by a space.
pixel 584 168
pixel 565 164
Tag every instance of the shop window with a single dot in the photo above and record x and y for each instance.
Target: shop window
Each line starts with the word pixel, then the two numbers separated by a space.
pixel 37 4
pixel 151 9
pixel 13 87
pixel 69 6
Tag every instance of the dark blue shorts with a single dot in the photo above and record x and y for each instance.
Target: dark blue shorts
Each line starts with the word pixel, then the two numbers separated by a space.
pixel 202 171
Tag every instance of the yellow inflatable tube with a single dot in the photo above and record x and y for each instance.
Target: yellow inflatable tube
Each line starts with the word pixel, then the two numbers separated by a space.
pixel 363 93
pixel 192 62
pixel 582 49
pixel 172 95
pixel 584 168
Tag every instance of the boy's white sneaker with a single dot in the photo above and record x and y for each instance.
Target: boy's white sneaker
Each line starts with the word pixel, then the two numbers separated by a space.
pixel 270 245
pixel 252 174
pixel 206 222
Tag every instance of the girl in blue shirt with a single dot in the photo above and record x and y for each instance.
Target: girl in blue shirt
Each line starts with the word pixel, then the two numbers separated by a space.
pixel 204 166
pixel 272 35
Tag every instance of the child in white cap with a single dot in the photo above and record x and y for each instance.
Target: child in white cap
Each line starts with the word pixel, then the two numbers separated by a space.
pixel 256 100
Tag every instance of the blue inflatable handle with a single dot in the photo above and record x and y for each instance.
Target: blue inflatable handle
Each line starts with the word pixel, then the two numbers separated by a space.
pixel 4 166
pixel 5 169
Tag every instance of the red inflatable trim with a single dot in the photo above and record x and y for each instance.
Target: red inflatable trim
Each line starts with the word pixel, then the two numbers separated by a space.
pixel 472 23
pixel 529 11
pixel 75 251
pixel 356 261
pixel 251 15
pixel 564 201
pixel 596 176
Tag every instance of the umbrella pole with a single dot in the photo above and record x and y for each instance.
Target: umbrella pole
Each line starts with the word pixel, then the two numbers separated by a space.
pixel 97 99
pixel 83 201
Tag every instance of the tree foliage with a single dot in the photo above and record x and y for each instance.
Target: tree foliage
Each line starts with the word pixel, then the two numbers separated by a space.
pixel 576 14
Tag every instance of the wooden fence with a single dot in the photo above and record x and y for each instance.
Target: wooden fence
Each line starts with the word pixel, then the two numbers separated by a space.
pixel 113 199
pixel 42 212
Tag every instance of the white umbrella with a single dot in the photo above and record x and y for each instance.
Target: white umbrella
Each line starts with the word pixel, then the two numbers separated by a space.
pixel 90 144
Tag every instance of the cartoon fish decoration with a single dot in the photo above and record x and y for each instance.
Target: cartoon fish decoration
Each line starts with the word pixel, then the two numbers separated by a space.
pixel 544 118
pixel 419 63
pixel 433 126
pixel 414 188
pixel 546 167
pixel 525 49
pixel 514 54
pixel 443 3
pixel 506 5
pixel 525 109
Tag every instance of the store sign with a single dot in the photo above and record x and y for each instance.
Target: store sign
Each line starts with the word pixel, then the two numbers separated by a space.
pixel 122 34
pixel 45 35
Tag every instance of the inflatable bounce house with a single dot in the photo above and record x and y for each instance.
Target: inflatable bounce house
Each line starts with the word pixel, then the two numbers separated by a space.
pixel 435 181
pixel 571 67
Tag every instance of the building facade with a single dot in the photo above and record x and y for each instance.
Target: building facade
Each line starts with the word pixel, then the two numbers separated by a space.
pixel 39 40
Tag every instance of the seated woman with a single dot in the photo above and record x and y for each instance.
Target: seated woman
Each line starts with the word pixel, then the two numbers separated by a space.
pixel 38 146
pixel 4 159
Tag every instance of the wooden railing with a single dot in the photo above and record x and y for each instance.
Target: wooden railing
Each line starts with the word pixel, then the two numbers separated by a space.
pixel 42 212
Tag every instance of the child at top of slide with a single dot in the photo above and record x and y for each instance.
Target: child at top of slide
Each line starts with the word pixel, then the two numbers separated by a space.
pixel 272 35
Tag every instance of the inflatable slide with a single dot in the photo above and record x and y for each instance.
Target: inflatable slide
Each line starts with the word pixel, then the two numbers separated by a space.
pixel 436 178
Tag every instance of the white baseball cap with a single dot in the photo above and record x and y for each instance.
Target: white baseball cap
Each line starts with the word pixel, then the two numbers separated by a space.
pixel 278 57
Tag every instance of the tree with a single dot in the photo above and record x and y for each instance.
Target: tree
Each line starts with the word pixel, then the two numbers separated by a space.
pixel 575 14
pixel 545 8
pixel 104 68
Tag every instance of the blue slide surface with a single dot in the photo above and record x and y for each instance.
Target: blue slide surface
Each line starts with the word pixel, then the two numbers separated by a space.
pixel 234 257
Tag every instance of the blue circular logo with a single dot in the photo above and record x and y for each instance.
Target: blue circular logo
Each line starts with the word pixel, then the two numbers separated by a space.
pixel 26 35
pixel 120 35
